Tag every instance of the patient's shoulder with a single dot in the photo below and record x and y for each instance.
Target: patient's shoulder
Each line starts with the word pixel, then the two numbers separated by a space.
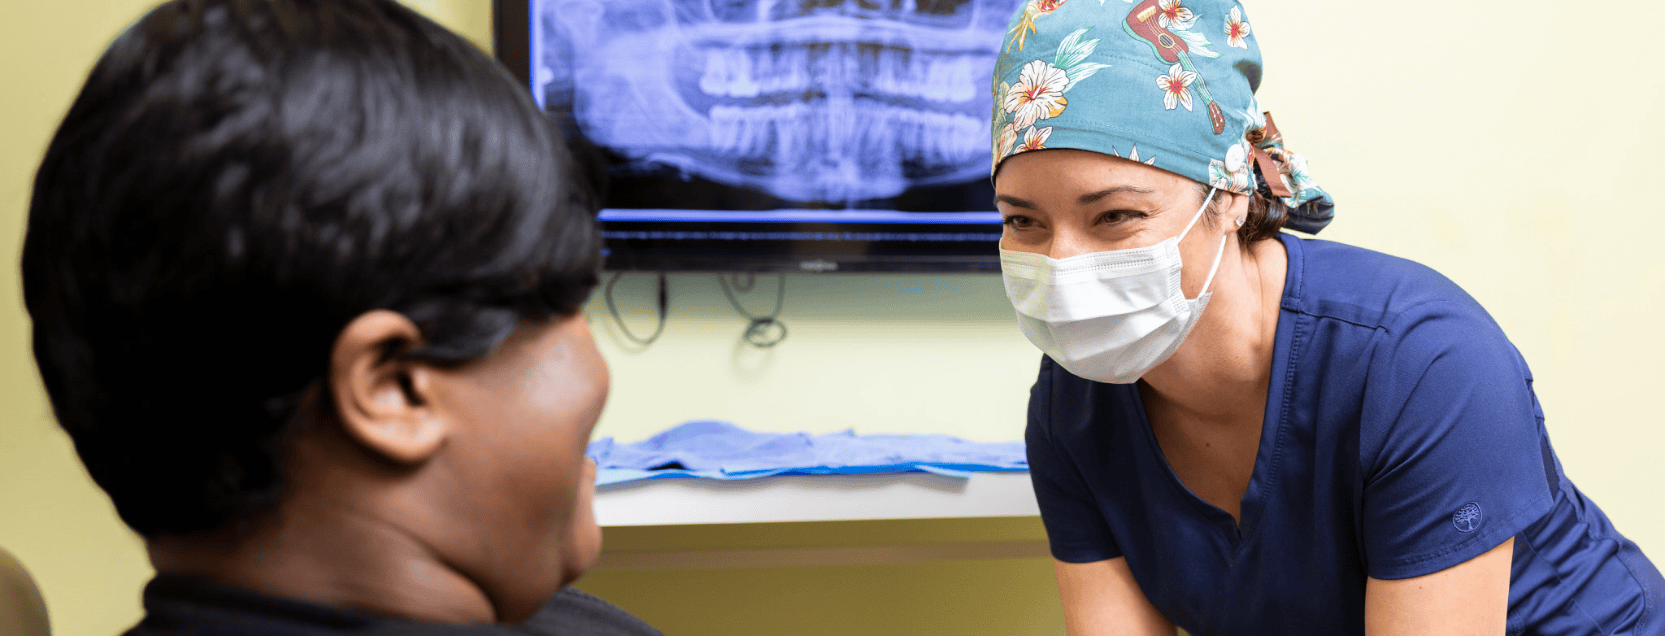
pixel 575 612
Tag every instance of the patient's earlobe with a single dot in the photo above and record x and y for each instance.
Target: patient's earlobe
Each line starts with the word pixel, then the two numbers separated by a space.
pixel 384 401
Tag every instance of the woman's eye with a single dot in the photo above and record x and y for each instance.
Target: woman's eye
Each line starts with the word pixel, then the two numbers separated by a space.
pixel 1117 216
pixel 1017 222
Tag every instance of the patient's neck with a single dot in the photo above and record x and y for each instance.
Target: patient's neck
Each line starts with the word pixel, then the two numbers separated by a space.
pixel 332 558
pixel 341 538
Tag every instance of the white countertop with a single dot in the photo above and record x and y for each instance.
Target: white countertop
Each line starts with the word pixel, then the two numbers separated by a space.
pixel 814 498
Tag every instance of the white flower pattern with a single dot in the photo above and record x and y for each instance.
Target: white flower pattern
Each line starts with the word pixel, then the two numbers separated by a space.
pixel 1034 139
pixel 1133 155
pixel 1038 94
pixel 1236 29
pixel 1176 86
pixel 1170 15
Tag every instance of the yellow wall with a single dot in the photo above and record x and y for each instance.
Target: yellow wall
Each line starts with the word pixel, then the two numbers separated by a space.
pixel 1488 139
pixel 470 18
pixel 51 516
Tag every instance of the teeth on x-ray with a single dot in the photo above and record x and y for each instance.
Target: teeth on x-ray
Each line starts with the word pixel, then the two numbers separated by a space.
pixel 799 135
pixel 834 101
pixel 737 72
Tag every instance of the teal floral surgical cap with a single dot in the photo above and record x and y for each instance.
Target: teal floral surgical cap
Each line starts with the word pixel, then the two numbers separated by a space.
pixel 1169 83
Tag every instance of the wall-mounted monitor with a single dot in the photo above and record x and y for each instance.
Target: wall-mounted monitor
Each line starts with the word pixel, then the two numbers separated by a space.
pixel 776 135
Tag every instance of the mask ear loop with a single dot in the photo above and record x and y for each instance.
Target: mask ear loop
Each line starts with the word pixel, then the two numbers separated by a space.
pixel 1216 268
pixel 1218 254
pixel 1198 215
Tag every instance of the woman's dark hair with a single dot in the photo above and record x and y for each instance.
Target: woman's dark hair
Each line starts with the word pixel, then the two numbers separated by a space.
pixel 236 182
pixel 1264 219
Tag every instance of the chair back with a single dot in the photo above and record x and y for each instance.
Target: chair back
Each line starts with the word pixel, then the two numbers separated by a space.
pixel 22 610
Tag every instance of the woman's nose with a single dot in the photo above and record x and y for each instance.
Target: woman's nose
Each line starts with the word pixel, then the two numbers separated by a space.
pixel 1068 242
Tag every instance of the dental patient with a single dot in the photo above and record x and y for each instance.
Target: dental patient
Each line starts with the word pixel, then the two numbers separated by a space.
pixel 305 279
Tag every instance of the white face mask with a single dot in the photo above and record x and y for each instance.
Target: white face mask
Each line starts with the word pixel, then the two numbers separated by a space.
pixel 1107 316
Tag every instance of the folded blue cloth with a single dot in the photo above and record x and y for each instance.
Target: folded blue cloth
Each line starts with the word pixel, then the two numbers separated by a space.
pixel 720 450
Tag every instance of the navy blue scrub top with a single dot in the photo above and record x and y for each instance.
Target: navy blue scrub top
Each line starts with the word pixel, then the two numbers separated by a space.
pixel 1401 437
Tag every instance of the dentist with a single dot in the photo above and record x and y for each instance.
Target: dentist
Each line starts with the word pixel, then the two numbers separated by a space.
pixel 1237 431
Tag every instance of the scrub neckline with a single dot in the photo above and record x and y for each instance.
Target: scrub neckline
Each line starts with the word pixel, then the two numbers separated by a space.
pixel 1262 477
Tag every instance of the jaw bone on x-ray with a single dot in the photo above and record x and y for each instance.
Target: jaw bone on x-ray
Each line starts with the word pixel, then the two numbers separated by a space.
pixel 823 101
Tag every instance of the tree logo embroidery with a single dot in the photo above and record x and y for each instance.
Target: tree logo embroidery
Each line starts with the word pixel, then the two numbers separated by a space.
pixel 1467 517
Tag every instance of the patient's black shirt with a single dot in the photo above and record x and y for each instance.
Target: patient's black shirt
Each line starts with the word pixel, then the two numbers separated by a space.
pixel 186 606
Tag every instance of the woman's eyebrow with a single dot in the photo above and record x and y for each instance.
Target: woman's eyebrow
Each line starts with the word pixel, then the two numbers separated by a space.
pixel 1084 199
pixel 1091 197
pixel 1013 201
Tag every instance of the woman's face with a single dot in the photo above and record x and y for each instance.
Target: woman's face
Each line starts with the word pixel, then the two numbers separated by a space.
pixel 1064 203
pixel 525 413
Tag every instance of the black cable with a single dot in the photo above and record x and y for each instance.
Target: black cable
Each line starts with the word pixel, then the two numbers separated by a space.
pixel 763 331
pixel 664 306
pixel 751 281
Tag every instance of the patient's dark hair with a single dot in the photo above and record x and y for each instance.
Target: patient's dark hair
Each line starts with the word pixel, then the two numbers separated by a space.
pixel 236 182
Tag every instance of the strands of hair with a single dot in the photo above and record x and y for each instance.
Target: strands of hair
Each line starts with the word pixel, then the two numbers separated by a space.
pixel 239 179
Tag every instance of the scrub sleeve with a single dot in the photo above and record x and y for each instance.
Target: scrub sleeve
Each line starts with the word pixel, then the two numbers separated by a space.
pixel 1075 526
pixel 1453 456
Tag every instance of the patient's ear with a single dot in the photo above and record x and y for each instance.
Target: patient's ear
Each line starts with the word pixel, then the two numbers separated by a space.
pixel 384 401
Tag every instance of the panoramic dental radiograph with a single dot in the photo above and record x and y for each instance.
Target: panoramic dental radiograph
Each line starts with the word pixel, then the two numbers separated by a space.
pixel 816 103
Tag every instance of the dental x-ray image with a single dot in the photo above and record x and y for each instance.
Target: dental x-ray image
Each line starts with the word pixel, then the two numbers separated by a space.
pixel 777 104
